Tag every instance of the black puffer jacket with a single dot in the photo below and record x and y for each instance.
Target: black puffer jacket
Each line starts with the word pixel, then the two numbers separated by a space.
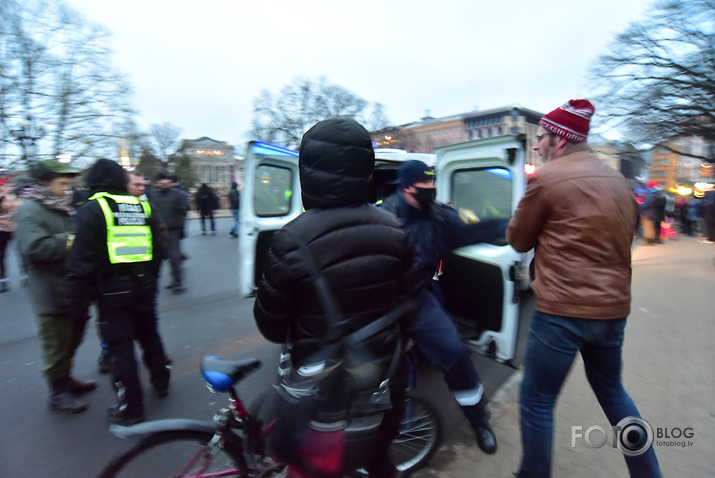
pixel 361 251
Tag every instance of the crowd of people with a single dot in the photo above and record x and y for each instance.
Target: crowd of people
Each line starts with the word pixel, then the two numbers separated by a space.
pixel 105 248
pixel 663 216
pixel 98 244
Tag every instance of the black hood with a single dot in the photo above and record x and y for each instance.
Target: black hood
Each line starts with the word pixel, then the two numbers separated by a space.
pixel 336 163
pixel 106 176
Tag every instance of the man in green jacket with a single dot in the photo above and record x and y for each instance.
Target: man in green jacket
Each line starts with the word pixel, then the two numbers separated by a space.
pixel 43 237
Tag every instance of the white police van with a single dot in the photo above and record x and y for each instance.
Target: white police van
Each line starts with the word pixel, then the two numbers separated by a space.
pixel 481 282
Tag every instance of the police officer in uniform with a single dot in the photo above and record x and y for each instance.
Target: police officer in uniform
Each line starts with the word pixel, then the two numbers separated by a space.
pixel 434 230
pixel 114 261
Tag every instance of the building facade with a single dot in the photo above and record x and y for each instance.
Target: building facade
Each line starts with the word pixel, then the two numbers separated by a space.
pixel 671 169
pixel 430 133
pixel 211 160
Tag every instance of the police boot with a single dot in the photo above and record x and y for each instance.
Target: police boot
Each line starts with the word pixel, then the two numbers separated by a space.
pixel 61 399
pixel 478 416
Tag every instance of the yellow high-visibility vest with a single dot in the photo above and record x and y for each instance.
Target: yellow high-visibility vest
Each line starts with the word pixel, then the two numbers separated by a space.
pixel 128 233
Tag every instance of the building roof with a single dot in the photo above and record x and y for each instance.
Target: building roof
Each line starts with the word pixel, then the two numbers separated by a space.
pixel 472 114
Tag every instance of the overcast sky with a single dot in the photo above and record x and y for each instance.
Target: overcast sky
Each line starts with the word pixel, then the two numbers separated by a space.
pixel 199 64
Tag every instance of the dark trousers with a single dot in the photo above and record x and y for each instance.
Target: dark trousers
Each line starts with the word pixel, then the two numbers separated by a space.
pixel 124 319
pixel 656 224
pixel 174 253
pixel 437 338
pixel 210 215
pixel 5 237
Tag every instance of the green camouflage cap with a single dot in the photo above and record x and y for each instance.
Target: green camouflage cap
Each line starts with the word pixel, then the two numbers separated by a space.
pixel 48 167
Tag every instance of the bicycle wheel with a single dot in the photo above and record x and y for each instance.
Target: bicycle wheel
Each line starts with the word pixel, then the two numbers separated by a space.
pixel 419 436
pixel 177 453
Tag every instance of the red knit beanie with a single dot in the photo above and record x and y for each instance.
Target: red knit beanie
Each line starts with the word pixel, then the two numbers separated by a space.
pixel 570 120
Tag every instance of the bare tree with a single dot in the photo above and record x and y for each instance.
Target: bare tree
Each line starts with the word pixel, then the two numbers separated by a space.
pixel 164 139
pixel 658 80
pixel 283 119
pixel 58 90
pixel 377 119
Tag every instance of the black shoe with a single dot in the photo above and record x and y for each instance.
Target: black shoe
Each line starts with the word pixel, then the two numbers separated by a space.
pixel 161 390
pixel 77 388
pixel 175 285
pixel 103 362
pixel 486 439
pixel 65 402
pixel 122 417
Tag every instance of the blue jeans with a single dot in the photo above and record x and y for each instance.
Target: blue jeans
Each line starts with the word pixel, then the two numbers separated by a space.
pixel 551 348
pixel 234 229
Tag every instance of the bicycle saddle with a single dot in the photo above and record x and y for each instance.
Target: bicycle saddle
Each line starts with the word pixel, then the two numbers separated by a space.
pixel 221 374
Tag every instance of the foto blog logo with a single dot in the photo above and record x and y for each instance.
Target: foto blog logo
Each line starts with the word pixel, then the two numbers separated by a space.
pixel 633 436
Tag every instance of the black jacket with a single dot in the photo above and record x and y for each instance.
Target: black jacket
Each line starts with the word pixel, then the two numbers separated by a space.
pixel 234 198
pixel 90 275
pixel 205 199
pixel 362 252
pixel 171 206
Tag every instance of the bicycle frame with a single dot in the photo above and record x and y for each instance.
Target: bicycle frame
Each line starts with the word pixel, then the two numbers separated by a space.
pixel 418 438
pixel 221 376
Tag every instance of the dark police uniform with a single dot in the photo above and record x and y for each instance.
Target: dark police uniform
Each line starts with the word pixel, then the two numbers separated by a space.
pixel 433 234
pixel 114 261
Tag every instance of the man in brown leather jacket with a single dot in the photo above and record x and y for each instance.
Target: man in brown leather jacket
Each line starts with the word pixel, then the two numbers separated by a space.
pixel 578 214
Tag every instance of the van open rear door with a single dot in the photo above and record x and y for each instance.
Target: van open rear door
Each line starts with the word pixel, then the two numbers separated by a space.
pixel 481 282
pixel 270 199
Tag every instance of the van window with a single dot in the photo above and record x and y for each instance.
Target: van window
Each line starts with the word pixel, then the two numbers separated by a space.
pixel 486 191
pixel 272 191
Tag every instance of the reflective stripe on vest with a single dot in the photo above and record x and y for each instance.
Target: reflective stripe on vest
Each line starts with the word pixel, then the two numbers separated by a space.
pixel 128 235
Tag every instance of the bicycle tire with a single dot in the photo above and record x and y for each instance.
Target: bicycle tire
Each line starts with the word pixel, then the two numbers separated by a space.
pixel 160 454
pixel 419 436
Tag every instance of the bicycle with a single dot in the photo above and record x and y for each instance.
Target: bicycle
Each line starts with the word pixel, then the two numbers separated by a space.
pixel 234 444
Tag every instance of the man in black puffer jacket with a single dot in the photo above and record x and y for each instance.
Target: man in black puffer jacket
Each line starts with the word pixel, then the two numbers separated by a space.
pixel 361 252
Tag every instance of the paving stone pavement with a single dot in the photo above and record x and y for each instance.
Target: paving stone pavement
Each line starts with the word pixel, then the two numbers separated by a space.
pixel 668 355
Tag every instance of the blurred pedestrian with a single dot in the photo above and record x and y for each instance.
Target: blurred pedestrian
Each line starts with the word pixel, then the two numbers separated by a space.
pixel 206 201
pixel 170 205
pixel 8 208
pixel 690 216
pixel 176 185
pixel 708 218
pixel 44 236
pixel 114 261
pixel 234 199
pixel 578 215
pixel 653 213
